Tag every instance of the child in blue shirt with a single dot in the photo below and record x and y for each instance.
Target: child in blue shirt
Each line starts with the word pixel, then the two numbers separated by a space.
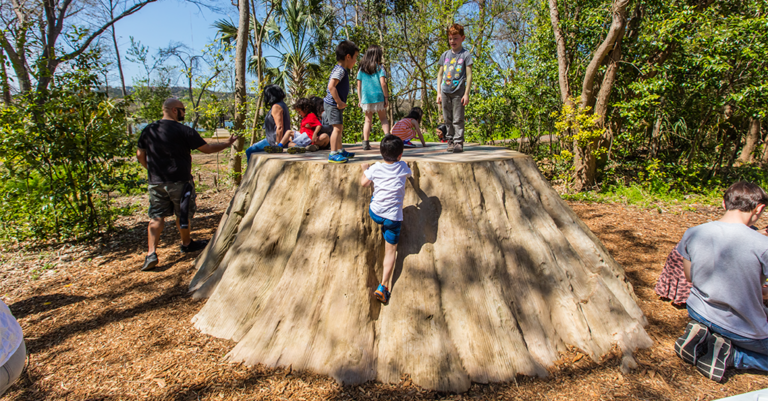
pixel 372 87
pixel 386 208
pixel 336 98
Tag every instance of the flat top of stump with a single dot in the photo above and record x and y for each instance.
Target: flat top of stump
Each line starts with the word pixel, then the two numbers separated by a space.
pixel 434 152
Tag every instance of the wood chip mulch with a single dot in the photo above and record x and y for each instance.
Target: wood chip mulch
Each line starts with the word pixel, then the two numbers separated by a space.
pixel 97 328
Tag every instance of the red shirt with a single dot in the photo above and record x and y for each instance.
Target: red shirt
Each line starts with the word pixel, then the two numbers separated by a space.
pixel 313 122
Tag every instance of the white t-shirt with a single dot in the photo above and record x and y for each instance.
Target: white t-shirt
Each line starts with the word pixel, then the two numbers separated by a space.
pixel 10 334
pixel 388 189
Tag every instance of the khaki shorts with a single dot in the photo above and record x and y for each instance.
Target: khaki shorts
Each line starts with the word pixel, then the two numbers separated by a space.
pixel 165 199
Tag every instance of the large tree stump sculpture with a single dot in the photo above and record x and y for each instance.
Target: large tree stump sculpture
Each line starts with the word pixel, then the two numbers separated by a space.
pixel 495 274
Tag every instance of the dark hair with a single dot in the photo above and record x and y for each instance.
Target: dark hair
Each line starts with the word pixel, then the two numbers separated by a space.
pixel 273 94
pixel 372 60
pixel 305 105
pixel 415 114
pixel 443 128
pixel 318 101
pixel 456 29
pixel 744 196
pixel 346 48
pixel 391 148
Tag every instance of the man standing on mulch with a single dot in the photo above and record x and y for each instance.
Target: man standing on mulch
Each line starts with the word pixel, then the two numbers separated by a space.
pixel 164 150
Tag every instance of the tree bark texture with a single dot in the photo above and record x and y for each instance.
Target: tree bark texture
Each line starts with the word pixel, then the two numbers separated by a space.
pixel 562 56
pixel 235 159
pixel 494 275
pixel 753 135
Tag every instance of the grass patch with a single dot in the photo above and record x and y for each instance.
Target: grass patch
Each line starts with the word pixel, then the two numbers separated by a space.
pixel 647 197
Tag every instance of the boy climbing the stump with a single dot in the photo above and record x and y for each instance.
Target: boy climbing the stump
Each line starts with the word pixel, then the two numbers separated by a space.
pixel 386 208
pixel 727 262
pixel 454 78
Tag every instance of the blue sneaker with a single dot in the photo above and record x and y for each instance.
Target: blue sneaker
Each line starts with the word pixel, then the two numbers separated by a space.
pixel 347 154
pixel 337 158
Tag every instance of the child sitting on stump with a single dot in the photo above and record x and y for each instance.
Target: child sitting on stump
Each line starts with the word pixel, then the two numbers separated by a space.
pixel 386 208
pixel 727 262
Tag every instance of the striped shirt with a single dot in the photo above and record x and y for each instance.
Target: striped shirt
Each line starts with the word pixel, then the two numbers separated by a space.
pixel 342 87
pixel 406 129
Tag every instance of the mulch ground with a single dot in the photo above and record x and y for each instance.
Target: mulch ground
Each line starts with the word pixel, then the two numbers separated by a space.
pixel 97 328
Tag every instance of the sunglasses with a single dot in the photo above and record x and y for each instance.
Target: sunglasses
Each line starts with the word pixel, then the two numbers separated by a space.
pixel 183 110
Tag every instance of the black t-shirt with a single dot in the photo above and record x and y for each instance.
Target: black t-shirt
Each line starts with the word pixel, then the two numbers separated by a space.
pixel 168 144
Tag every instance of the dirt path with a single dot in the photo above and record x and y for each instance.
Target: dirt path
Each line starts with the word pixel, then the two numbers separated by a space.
pixel 98 328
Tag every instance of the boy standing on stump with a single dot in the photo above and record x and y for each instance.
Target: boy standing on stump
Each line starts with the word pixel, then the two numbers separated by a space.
pixel 386 208
pixel 454 78
pixel 727 262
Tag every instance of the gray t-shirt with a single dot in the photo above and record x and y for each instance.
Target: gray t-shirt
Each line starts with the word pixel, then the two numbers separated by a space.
pixel 729 264
pixel 454 69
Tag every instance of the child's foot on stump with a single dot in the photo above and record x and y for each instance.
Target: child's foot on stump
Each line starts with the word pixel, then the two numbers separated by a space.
pixel 458 147
pixel 296 149
pixel 719 356
pixel 450 148
pixel 382 294
pixel 346 154
pixel 273 149
pixel 312 148
pixel 336 158
pixel 692 343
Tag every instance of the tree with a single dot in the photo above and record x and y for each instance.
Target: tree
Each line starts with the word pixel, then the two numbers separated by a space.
pixel 235 163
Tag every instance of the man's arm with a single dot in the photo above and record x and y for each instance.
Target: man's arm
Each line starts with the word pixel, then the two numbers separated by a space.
pixel 364 181
pixel 141 154
pixel 277 115
pixel 465 98
pixel 439 83
pixel 214 147
pixel 335 93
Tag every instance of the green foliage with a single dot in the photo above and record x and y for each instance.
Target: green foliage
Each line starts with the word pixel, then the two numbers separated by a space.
pixel 63 156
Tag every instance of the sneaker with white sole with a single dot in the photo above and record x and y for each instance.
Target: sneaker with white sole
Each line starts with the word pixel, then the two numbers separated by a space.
pixel 692 343
pixel 719 356
pixel 149 262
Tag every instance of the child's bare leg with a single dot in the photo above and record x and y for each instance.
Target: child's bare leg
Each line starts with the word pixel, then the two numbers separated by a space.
pixel 322 140
pixel 287 136
pixel 367 125
pixel 390 253
pixel 384 121
pixel 336 137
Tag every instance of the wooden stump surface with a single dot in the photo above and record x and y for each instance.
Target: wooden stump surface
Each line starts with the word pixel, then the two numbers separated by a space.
pixel 494 275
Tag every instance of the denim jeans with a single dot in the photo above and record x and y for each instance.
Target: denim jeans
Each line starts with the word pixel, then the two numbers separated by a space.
pixel 747 353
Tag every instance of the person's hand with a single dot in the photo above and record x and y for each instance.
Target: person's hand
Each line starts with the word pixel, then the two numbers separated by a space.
pixel 763 231
pixel 465 100
pixel 360 105
pixel 341 106
pixel 386 103
pixel 439 99
pixel 365 166
pixel 232 139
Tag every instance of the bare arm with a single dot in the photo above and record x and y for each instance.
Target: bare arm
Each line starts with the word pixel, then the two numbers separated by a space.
pixel 364 181
pixel 317 132
pixel 465 98
pixel 687 269
pixel 359 88
pixel 439 83
pixel 420 135
pixel 277 115
pixel 335 93
pixel 141 154
pixel 383 82
pixel 217 146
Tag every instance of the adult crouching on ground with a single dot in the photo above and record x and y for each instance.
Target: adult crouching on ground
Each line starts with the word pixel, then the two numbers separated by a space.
pixel 276 123
pixel 164 150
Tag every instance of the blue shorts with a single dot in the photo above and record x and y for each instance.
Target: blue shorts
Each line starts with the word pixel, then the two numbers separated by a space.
pixel 390 229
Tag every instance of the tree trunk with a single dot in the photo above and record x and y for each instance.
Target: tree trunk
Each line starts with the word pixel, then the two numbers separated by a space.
pixel 235 162
pixel 6 87
pixel 562 56
pixel 117 51
pixel 480 293
pixel 747 152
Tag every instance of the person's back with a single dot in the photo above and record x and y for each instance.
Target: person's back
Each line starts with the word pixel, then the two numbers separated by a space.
pixel 729 263
pixel 168 145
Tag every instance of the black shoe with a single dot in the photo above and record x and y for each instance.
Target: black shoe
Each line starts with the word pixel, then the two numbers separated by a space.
pixel 194 246
pixel 366 145
pixel 149 262
pixel 693 342
pixel 719 356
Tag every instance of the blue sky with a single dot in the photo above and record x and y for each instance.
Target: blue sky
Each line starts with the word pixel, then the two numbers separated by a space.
pixel 166 21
